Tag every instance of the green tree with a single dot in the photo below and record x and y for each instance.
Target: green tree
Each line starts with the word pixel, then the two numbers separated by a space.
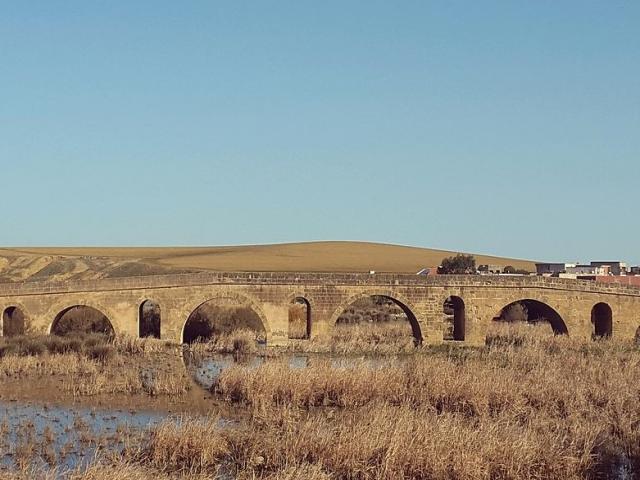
pixel 513 270
pixel 459 264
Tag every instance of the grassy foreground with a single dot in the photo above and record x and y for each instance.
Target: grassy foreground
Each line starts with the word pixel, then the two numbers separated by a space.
pixel 529 405
pixel 96 364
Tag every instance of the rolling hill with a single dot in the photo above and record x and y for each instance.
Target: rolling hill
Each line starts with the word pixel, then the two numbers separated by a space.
pixel 65 263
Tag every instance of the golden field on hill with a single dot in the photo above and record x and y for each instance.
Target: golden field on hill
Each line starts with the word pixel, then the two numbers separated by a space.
pixel 63 263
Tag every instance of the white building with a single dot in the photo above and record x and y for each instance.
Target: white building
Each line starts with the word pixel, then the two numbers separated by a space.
pixel 588 270
pixel 616 268
pixel 552 269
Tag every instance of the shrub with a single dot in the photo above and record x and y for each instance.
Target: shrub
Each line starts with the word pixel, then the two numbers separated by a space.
pixel 459 264
pixel 33 347
pixel 101 353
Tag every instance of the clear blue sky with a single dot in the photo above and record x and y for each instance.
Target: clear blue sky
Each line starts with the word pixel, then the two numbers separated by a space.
pixel 504 127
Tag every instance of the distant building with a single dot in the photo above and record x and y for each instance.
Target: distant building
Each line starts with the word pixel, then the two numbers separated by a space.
pixel 589 270
pixel 552 269
pixel 616 268
pixel 489 269
pixel 595 271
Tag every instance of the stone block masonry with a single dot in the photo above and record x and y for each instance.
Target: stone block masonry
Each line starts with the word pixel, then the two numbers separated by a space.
pixel 270 295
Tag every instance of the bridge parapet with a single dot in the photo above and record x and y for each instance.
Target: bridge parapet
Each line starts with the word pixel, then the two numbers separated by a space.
pixel 313 279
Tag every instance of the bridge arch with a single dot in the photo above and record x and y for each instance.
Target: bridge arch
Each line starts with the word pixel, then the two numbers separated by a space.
pixel 397 299
pixel 602 320
pixel 295 331
pixel 149 319
pixel 227 299
pixel 533 311
pixel 81 318
pixel 14 321
pixel 454 307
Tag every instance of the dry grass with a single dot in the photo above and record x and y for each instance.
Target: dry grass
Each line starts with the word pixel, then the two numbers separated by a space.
pixel 395 333
pixel 80 343
pixel 100 470
pixel 193 445
pixel 62 364
pixel 242 341
pixel 477 382
pixel 516 334
pixel 403 442
pixel 110 374
pixel 393 442
pixel 382 338
pixel 297 321
pixel 127 381
pixel 129 345
pixel 84 344
pixel 95 364
pixel 528 406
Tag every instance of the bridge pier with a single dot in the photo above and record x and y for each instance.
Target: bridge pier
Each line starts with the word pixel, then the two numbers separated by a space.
pixel 173 316
pixel 124 318
pixel 278 323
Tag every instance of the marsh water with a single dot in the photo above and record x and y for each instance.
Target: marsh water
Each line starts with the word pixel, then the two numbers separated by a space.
pixel 66 436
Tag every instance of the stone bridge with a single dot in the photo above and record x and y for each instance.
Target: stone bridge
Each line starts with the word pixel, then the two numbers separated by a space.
pixel 579 308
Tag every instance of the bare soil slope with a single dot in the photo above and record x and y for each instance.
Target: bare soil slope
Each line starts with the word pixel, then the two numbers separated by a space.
pixel 58 263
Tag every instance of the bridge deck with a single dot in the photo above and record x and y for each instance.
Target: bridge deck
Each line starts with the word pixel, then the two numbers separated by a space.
pixel 305 278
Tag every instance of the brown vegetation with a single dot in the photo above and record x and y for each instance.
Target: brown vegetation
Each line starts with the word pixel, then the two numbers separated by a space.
pixel 242 342
pixel 528 405
pixel 95 364
pixel 298 318
pixel 531 406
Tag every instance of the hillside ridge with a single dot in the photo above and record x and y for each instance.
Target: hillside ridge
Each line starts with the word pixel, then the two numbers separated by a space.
pixel 18 264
